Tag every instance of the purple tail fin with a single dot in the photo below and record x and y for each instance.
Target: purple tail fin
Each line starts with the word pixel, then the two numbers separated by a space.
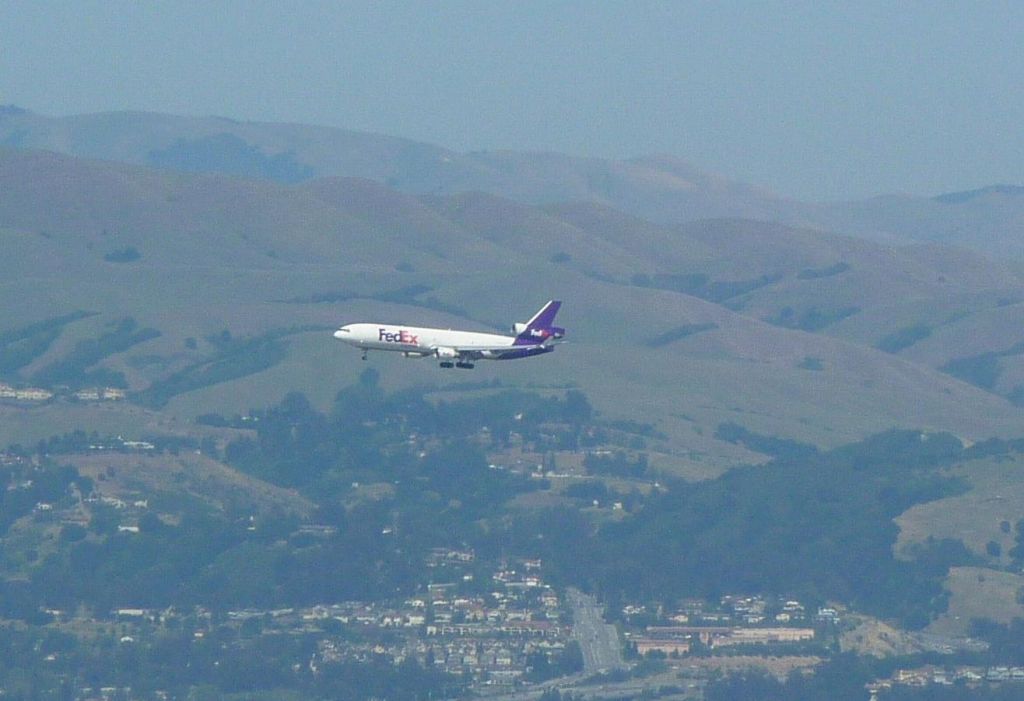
pixel 545 317
pixel 541 327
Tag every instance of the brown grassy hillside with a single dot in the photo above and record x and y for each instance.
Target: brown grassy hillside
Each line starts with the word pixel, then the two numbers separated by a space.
pixel 277 266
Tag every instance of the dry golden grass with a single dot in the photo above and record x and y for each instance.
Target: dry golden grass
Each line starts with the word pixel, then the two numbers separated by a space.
pixel 979 593
pixel 996 495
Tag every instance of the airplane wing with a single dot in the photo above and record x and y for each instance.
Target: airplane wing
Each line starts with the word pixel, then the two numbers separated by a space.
pixel 470 349
pixel 477 352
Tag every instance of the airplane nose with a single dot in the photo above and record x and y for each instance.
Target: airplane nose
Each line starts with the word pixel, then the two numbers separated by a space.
pixel 341 333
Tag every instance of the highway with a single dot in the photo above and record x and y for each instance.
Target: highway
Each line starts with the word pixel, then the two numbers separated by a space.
pixel 601 649
pixel 599 641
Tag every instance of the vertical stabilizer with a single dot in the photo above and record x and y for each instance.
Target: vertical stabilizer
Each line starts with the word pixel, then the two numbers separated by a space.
pixel 541 327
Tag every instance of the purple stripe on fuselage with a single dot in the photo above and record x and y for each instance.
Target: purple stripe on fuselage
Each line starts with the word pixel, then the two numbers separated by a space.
pixel 532 337
pixel 524 352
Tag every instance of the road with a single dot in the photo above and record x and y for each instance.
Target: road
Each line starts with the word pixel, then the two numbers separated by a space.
pixel 598 640
pixel 602 652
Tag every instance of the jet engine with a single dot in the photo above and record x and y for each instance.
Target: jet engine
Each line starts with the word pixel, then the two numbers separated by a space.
pixel 446 353
pixel 518 328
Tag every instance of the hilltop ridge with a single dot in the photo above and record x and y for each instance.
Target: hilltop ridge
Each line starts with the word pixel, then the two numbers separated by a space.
pixel 660 188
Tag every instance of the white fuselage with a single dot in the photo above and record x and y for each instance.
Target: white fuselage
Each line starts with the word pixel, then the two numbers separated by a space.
pixel 421 341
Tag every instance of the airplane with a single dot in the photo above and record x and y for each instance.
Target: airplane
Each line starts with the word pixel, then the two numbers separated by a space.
pixel 460 349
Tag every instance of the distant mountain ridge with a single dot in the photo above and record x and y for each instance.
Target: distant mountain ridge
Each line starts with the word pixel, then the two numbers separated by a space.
pixel 292 153
pixel 662 189
pixel 967 196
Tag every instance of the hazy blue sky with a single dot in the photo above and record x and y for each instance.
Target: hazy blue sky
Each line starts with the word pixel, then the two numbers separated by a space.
pixel 814 100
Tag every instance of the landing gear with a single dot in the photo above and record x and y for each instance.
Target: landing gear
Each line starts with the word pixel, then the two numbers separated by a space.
pixel 447 364
pixel 465 365
pixel 364 355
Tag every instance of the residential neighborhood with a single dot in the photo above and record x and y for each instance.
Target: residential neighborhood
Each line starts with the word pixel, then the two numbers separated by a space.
pixel 970 676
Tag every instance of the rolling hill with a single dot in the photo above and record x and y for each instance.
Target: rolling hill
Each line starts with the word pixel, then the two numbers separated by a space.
pixel 681 325
pixel 657 188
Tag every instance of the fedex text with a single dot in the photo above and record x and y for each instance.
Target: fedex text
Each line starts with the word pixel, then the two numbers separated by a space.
pixel 402 336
